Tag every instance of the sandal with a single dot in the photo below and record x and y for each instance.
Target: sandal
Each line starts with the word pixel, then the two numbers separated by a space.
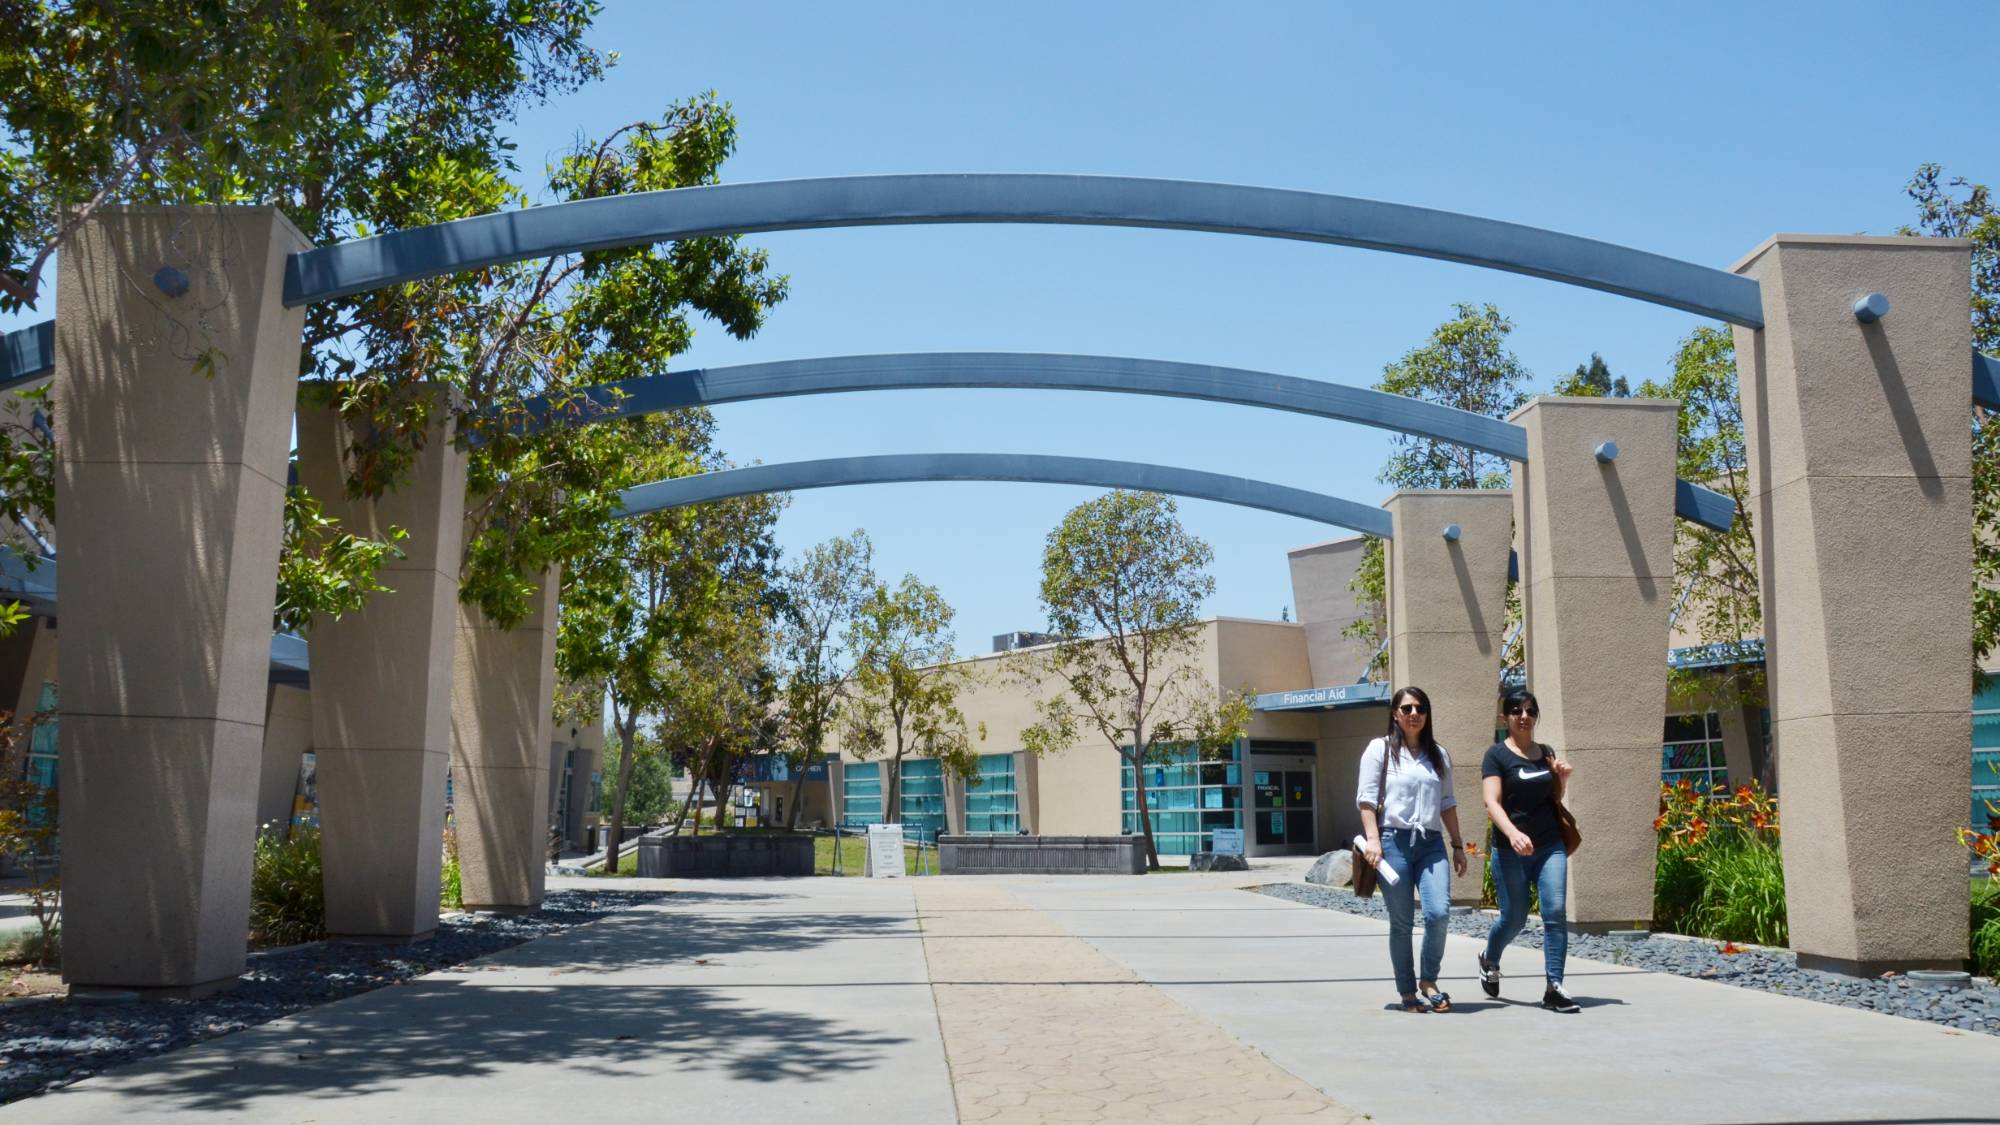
pixel 1416 1003
pixel 1437 1001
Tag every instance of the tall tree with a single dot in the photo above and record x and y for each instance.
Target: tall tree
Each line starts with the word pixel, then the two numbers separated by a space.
pixel 1465 364
pixel 652 587
pixel 906 685
pixel 822 599
pixel 1715 572
pixel 1123 583
pixel 1593 380
pixel 1959 208
pixel 721 693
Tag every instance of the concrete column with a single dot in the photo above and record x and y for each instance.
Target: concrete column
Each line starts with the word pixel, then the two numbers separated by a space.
pixel 1860 484
pixel 171 452
pixel 589 760
pixel 503 686
pixel 287 736
pixel 381 677
pixel 1447 619
pixel 1597 573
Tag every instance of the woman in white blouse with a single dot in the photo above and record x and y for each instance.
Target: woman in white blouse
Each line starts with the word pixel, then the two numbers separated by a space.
pixel 1407 813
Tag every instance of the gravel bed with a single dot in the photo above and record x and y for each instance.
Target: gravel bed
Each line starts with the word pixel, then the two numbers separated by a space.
pixel 51 1042
pixel 1975 1008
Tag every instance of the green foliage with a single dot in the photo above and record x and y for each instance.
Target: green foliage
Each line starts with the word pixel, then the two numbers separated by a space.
pixel 906 685
pixel 451 881
pixel 30 822
pixel 1715 572
pixel 27 479
pixel 322 569
pixel 287 895
pixel 1593 380
pixel 1123 583
pixel 1962 209
pixel 1986 928
pixel 1465 364
pixel 1719 872
pixel 821 602
pixel 649 793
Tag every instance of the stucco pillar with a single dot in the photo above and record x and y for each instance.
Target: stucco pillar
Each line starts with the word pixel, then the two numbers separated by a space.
pixel 1597 574
pixel 287 736
pixel 1860 480
pixel 589 760
pixel 503 685
pixel 1447 577
pixel 381 676
pixel 175 414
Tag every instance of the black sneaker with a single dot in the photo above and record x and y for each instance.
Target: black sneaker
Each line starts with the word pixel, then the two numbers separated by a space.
pixel 1557 999
pixel 1489 977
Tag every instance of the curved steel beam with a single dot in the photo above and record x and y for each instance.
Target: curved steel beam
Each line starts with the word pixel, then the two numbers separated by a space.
pixel 899 467
pixel 652 394
pixel 676 390
pixel 1986 380
pixel 725 209
pixel 27 353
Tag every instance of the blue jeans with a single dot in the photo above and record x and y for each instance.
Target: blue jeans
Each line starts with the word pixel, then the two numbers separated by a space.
pixel 1425 872
pixel 1549 868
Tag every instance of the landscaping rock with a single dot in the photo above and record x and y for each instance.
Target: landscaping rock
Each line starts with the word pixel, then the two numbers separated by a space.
pixel 1217 861
pixel 1334 869
pixel 52 1042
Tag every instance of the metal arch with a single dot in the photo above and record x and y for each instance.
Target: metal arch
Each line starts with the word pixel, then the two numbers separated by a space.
pixel 1986 380
pixel 676 390
pixel 725 209
pixel 652 394
pixel 27 353
pixel 905 467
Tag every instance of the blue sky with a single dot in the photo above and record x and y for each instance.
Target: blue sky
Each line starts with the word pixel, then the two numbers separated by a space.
pixel 1694 130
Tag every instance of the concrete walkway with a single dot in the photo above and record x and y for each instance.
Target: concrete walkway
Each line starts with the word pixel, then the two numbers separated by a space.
pixel 1174 997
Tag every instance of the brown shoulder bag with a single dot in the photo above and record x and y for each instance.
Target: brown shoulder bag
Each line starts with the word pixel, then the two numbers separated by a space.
pixel 1364 872
pixel 1572 835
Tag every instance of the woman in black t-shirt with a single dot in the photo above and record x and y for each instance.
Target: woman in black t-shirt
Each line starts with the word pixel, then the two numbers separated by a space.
pixel 1523 781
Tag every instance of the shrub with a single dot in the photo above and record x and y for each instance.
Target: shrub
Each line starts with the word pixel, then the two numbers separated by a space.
pixel 451 886
pixel 1986 928
pixel 287 898
pixel 1719 873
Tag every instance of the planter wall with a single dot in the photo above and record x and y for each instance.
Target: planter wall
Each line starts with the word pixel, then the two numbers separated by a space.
pixel 727 856
pixel 1042 855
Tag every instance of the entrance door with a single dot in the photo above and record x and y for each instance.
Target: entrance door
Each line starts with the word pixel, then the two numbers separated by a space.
pixel 1284 811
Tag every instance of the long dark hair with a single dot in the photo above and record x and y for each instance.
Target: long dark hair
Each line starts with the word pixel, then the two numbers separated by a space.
pixel 1426 740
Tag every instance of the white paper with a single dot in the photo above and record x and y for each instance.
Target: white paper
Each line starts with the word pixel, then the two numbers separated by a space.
pixel 1383 871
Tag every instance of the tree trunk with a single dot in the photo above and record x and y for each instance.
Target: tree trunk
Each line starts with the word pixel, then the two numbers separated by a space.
pixel 694 799
pixel 626 753
pixel 798 799
pixel 1145 819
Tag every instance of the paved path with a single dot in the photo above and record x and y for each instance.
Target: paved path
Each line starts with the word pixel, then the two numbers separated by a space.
pixel 927 1001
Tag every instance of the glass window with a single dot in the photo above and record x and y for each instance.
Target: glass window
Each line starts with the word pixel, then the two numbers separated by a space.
pixel 922 798
pixel 861 795
pixel 1691 751
pixel 992 805
pixel 1986 756
pixel 1186 799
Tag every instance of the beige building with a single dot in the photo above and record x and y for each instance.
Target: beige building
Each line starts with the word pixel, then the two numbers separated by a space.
pixel 1289 783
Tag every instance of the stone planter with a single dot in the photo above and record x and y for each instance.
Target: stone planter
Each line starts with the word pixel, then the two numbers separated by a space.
pixel 1042 855
pixel 726 856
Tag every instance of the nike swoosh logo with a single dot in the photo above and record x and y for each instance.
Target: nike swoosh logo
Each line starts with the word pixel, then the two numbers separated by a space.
pixel 1524 775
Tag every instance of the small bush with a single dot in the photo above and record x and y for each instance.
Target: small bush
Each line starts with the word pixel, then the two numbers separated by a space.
pixel 1986 928
pixel 287 897
pixel 451 885
pixel 1719 873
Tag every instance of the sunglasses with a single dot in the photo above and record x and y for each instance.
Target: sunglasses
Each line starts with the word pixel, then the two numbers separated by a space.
pixel 1531 712
pixel 1414 709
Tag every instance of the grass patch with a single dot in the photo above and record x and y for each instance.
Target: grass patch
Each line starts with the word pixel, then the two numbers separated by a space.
pixel 1986 928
